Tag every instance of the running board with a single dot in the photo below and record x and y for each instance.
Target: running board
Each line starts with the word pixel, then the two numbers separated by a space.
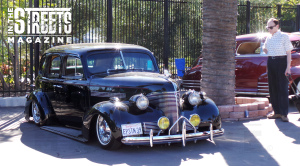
pixel 67 132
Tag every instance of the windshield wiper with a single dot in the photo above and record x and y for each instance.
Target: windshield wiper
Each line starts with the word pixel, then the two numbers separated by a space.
pixel 123 70
pixel 137 69
pixel 115 70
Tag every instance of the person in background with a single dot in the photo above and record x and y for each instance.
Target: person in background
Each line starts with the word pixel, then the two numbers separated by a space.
pixel 278 48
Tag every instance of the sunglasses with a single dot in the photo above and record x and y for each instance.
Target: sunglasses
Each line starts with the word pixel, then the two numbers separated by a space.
pixel 271 27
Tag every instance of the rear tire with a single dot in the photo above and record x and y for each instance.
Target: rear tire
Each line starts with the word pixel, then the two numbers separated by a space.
pixel 36 113
pixel 298 87
pixel 105 136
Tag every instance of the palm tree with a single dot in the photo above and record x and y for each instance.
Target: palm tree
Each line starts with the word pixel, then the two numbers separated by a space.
pixel 219 31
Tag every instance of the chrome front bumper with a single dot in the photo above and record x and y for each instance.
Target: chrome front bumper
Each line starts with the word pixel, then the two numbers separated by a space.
pixel 183 137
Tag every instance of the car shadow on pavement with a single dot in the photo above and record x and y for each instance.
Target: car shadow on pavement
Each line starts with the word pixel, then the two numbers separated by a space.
pixel 9 124
pixel 237 147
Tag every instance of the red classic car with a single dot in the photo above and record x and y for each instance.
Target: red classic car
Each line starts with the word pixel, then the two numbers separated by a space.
pixel 251 61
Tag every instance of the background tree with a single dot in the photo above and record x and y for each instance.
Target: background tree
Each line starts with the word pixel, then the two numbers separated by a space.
pixel 218 41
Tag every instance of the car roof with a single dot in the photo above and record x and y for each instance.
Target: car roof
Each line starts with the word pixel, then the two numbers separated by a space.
pixel 83 48
pixel 262 36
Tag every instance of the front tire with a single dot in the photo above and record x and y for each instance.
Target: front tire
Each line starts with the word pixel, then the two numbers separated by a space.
pixel 104 134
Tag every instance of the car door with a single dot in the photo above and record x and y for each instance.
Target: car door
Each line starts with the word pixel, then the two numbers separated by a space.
pixel 51 81
pixel 74 91
pixel 251 64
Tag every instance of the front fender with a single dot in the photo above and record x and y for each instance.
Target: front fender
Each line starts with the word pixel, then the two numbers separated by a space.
pixel 116 115
pixel 208 112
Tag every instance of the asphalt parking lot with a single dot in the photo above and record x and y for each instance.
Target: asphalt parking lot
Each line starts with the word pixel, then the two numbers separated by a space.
pixel 254 142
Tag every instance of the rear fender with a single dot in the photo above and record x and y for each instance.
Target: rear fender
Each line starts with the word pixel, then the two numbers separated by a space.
pixel 44 103
pixel 295 72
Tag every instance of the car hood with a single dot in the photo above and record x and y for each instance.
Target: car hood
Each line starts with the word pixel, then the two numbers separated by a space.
pixel 131 83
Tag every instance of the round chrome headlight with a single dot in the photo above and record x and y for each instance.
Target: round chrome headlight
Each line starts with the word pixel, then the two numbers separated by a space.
pixel 195 120
pixel 142 102
pixel 194 98
pixel 163 123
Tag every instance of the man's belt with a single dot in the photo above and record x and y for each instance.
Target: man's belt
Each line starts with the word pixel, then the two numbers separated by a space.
pixel 278 57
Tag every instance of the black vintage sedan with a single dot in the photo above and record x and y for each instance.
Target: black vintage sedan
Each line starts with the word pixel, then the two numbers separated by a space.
pixel 115 93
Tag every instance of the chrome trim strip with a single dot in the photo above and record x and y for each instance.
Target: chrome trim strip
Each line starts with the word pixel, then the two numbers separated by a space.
pixel 192 86
pixel 151 138
pixel 252 93
pixel 191 81
pixel 263 90
pixel 262 86
pixel 171 138
pixel 183 133
pixel 263 83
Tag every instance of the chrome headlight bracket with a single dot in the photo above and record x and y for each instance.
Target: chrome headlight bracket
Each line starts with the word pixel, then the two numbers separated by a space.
pixel 140 101
pixel 192 98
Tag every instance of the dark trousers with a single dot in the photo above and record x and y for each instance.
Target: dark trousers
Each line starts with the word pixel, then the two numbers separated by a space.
pixel 278 84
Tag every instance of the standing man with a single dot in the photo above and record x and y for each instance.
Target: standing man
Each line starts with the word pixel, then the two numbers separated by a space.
pixel 278 48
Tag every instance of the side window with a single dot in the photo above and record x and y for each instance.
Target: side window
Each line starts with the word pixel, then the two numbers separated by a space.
pixel 249 48
pixel 73 67
pixel 43 65
pixel 54 66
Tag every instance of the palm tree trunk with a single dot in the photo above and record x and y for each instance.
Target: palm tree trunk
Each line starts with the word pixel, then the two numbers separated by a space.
pixel 219 32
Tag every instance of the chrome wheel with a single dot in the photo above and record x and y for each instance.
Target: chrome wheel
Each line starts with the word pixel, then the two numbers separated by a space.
pixel 36 114
pixel 103 131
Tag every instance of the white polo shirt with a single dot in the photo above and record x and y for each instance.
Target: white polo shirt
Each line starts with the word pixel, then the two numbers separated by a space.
pixel 278 44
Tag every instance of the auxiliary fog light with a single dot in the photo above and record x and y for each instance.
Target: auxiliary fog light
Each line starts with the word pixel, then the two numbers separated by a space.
pixel 195 120
pixel 163 123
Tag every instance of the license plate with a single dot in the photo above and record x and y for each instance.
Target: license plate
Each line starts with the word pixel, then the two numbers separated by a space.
pixel 131 129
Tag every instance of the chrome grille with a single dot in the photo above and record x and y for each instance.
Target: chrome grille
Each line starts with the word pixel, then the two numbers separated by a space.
pixel 168 102
pixel 263 88
pixel 147 126
pixel 191 84
pixel 150 125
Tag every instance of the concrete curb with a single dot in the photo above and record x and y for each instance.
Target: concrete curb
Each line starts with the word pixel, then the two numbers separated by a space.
pixel 12 101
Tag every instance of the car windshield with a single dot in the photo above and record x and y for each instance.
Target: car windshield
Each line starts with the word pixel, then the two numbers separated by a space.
pixel 296 45
pixel 119 61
